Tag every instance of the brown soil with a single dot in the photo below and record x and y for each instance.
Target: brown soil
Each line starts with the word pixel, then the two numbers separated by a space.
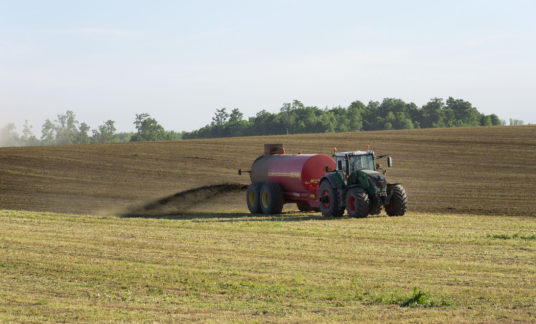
pixel 480 170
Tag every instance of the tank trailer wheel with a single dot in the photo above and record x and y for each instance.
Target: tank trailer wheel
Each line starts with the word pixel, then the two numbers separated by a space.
pixel 271 198
pixel 329 202
pixel 304 206
pixel 357 203
pixel 397 206
pixel 253 197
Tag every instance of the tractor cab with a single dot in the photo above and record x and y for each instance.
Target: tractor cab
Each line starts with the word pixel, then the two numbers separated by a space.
pixel 350 162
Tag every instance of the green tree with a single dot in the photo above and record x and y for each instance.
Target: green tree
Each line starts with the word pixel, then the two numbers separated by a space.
pixel 288 116
pixel 28 138
pixel 262 123
pixel 236 116
pixel 123 137
pixel 354 115
pixel 48 133
pixel 148 129
pixel 83 134
pixel 433 114
pixel 495 121
pixel 220 117
pixel 65 128
pixel 236 126
pixel 486 121
pixel 464 113
pixel 105 133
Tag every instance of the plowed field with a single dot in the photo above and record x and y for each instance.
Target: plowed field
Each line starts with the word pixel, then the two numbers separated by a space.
pixel 483 170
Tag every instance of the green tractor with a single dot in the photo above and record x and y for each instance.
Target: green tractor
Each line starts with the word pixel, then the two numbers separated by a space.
pixel 357 186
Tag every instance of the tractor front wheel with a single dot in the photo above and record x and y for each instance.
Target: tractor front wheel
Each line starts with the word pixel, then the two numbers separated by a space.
pixel 357 203
pixel 399 201
pixel 329 202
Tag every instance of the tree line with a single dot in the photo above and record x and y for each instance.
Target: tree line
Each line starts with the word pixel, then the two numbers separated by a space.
pixel 296 118
pixel 292 118
pixel 66 129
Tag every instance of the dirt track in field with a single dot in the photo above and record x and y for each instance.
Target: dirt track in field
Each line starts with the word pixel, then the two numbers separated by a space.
pixel 479 170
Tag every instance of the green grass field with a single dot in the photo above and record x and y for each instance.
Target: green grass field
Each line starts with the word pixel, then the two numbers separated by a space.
pixel 231 266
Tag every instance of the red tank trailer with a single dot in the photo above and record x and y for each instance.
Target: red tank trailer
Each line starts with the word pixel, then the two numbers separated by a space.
pixel 278 178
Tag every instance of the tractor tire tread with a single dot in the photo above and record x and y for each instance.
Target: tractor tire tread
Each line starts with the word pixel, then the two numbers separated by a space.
pixel 361 203
pixel 399 201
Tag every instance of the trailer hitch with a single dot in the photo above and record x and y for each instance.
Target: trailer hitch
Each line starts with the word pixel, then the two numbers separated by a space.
pixel 240 171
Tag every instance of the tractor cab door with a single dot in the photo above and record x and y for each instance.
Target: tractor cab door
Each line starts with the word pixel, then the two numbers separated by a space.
pixel 342 166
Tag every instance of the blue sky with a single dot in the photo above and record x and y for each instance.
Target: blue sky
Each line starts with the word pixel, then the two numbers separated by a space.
pixel 181 60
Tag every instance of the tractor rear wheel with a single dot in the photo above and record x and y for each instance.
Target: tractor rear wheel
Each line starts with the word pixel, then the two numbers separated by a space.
pixel 304 206
pixel 253 197
pixel 329 200
pixel 271 198
pixel 357 203
pixel 399 201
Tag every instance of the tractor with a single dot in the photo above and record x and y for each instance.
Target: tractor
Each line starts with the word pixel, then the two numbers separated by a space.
pixel 357 186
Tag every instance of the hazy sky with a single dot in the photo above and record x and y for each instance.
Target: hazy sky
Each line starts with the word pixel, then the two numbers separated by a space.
pixel 181 60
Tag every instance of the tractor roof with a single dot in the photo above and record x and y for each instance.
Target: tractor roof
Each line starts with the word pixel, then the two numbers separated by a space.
pixel 354 153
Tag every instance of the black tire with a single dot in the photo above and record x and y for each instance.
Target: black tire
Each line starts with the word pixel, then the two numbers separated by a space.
pixel 329 203
pixel 357 203
pixel 303 206
pixel 375 208
pixel 253 197
pixel 271 198
pixel 398 204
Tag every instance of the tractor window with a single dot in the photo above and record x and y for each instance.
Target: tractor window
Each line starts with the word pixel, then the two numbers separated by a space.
pixel 341 164
pixel 360 162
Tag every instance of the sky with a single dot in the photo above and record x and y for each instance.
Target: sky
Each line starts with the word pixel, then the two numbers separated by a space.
pixel 179 61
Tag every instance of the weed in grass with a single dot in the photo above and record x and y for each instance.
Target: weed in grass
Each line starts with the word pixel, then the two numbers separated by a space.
pixel 419 298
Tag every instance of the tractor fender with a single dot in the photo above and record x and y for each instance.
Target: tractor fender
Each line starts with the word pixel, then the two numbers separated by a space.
pixel 329 180
pixel 333 179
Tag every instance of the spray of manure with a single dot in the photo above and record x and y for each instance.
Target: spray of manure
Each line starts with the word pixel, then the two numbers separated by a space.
pixel 184 201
